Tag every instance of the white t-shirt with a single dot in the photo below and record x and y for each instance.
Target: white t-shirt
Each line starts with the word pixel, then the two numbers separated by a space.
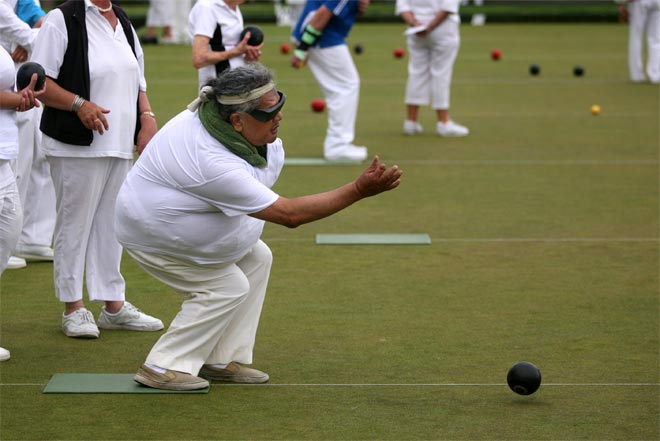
pixel 426 10
pixel 204 16
pixel 8 128
pixel 188 196
pixel 116 77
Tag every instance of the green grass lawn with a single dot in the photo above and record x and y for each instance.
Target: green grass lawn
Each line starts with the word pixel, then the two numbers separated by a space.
pixel 544 225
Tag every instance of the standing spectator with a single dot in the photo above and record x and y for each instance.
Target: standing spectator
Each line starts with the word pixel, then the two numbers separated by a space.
pixel 432 52
pixel 11 213
pixel 643 17
pixel 215 166
pixel 17 38
pixel 215 27
pixel 95 101
pixel 35 186
pixel 321 34
pixel 159 15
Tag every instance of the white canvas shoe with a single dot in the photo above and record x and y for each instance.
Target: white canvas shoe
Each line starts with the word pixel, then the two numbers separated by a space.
pixel 451 129
pixel 129 318
pixel 4 354
pixel 348 153
pixel 412 127
pixel 16 262
pixel 80 324
pixel 34 253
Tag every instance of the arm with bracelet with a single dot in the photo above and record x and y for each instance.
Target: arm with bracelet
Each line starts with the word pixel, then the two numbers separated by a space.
pixel 311 34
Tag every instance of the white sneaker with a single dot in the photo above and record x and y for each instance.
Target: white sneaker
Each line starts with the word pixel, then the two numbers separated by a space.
pixel 412 127
pixel 129 318
pixel 348 153
pixel 16 262
pixel 4 354
pixel 450 128
pixel 80 324
pixel 34 252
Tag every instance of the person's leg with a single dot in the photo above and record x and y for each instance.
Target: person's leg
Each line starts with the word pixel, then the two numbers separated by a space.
pixel 653 43
pixel 78 183
pixel 339 81
pixel 77 189
pixel 446 40
pixel 11 213
pixel 212 295
pixel 36 190
pixel 635 41
pixel 103 252
pixel 238 339
pixel 417 84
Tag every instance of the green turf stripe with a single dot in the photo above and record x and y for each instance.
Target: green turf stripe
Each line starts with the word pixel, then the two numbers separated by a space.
pixel 104 384
pixel 373 239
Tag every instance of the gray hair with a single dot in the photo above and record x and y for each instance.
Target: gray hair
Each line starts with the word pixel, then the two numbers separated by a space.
pixel 239 81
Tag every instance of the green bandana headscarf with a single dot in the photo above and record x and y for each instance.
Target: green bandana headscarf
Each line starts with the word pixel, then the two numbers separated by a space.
pixel 230 138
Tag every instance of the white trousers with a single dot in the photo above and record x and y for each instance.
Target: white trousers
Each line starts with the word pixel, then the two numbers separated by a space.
pixel 338 78
pixel 161 13
pixel 220 312
pixel 35 185
pixel 11 214
pixel 644 18
pixel 430 66
pixel 86 247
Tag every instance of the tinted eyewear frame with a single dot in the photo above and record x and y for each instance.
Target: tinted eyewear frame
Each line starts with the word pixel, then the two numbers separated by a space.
pixel 265 115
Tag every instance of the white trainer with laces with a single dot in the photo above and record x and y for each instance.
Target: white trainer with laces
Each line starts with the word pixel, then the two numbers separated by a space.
pixel 129 318
pixel 412 127
pixel 451 129
pixel 4 354
pixel 80 324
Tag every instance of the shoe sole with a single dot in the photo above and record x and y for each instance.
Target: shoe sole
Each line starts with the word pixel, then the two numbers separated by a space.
pixel 129 327
pixel 169 386
pixel 452 136
pixel 88 336
pixel 232 379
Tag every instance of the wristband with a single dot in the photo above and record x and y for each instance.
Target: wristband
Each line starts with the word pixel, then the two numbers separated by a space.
pixel 77 103
pixel 300 54
pixel 308 38
pixel 149 113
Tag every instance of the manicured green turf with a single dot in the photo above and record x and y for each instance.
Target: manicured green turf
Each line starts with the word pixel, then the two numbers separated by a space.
pixel 544 227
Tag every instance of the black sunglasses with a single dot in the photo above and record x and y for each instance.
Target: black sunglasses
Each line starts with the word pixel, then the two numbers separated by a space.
pixel 265 115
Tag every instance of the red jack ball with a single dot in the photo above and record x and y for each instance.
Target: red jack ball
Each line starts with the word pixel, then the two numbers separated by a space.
pixel 318 105
pixel 495 54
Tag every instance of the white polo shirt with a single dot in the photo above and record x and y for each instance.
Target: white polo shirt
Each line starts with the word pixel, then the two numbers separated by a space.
pixel 116 77
pixel 204 16
pixel 188 196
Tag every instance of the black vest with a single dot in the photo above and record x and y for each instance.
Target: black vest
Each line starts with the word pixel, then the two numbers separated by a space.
pixel 63 125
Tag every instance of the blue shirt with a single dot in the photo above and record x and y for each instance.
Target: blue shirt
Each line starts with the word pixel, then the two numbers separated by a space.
pixel 344 14
pixel 29 11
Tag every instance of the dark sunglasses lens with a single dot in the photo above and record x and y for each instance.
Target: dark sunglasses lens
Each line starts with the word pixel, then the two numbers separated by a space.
pixel 265 115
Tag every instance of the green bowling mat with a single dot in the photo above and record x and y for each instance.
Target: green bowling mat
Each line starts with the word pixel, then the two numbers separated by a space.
pixel 373 239
pixel 105 384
